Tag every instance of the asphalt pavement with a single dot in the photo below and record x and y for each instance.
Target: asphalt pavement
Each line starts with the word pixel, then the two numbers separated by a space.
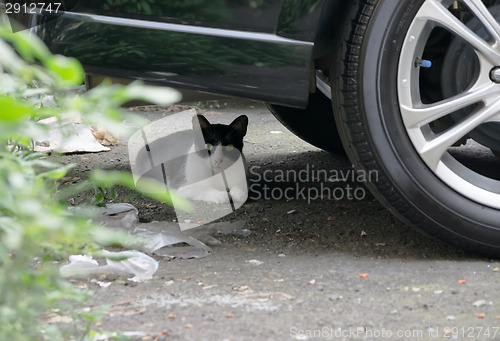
pixel 324 260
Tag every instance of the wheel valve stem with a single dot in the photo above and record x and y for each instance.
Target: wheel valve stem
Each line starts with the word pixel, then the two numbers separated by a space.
pixel 423 63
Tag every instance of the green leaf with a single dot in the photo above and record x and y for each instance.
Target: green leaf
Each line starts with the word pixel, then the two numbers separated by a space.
pixel 69 69
pixel 55 173
pixel 152 94
pixel 12 110
pixel 149 187
pixel 30 47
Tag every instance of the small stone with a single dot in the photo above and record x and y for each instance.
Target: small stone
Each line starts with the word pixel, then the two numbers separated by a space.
pixel 438 292
pixel 394 312
pixel 281 255
pixel 255 262
pixel 415 289
pixel 334 297
pixel 479 303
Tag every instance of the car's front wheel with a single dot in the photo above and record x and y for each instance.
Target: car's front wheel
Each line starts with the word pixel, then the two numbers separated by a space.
pixel 416 96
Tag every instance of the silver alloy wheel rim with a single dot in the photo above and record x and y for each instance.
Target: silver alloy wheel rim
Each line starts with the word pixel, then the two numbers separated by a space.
pixel 417 116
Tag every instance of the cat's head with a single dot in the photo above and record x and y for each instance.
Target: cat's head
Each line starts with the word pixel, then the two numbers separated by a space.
pixel 223 142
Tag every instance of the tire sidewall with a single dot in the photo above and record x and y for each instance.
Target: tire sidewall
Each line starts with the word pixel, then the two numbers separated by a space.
pixel 446 210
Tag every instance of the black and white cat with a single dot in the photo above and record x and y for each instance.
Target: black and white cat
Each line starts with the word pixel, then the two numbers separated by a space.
pixel 217 166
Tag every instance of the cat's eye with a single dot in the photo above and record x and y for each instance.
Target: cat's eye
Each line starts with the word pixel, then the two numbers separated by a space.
pixel 229 147
pixel 209 146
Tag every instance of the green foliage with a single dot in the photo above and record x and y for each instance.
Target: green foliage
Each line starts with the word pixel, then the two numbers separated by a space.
pixel 36 228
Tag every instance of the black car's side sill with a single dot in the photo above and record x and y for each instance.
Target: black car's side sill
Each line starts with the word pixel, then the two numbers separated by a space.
pixel 209 31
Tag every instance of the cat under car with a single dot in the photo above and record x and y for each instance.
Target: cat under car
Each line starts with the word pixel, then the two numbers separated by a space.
pixel 197 159
pixel 217 167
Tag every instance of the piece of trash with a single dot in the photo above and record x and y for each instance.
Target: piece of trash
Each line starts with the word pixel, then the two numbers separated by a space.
pixel 166 238
pixel 479 303
pixel 495 269
pixel 461 281
pixel 172 316
pixel 363 275
pixel 118 215
pixel 312 281
pixel 451 318
pixel 66 136
pixel 105 138
pixel 135 263
pixel 362 234
pixel 255 262
pixel 209 286
pixel 161 238
pixel 188 326
pixel 100 283
pixel 276 132
pixel 291 212
pixel 229 315
pixel 438 292
pixel 481 315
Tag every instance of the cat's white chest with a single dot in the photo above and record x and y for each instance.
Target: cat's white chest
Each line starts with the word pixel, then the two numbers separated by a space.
pixel 205 183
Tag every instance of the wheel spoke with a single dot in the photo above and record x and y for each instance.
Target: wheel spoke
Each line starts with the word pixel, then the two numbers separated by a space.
pixel 483 14
pixel 421 114
pixel 433 10
pixel 433 150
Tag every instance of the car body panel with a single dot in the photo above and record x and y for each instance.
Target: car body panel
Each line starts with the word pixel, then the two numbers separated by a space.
pixel 258 49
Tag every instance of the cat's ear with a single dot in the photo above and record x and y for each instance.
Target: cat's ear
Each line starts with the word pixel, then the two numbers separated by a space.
pixel 202 122
pixel 240 125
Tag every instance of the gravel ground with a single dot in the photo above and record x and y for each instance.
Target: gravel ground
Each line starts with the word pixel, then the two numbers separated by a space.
pixel 313 268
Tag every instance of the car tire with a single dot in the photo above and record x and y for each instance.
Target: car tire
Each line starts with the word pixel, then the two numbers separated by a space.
pixel 377 96
pixel 314 124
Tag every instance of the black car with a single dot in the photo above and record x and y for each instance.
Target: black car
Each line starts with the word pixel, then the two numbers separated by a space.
pixel 408 88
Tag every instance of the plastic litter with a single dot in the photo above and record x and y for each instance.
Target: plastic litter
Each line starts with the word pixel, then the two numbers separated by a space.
pixel 165 238
pixel 68 137
pixel 118 215
pixel 138 264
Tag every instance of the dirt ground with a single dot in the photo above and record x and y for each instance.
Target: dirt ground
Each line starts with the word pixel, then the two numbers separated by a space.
pixel 325 268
